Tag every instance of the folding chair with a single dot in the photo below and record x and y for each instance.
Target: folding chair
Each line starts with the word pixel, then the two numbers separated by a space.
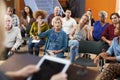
pixel 90 47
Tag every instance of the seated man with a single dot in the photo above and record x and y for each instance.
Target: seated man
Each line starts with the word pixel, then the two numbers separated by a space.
pixel 114 49
pixel 13 37
pixel 15 19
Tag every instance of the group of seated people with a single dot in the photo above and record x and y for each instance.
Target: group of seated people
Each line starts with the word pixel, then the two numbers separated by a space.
pixel 57 34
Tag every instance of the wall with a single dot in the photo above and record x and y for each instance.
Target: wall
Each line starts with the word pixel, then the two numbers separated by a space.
pixel 9 3
pixel 97 5
pixel 19 6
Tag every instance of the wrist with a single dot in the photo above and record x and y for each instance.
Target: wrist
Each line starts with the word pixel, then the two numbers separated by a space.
pixel 13 75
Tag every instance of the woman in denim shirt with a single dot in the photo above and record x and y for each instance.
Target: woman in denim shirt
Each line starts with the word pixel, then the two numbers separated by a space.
pixel 56 38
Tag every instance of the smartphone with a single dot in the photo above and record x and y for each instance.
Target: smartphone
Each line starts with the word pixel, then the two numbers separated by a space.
pixel 49 66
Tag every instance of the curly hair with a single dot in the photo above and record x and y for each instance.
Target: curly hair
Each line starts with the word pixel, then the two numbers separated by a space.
pixel 41 13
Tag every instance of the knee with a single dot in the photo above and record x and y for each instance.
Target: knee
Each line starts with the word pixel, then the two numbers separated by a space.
pixel 30 45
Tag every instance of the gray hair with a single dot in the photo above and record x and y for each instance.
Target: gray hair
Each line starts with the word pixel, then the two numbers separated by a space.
pixel 57 7
pixel 103 13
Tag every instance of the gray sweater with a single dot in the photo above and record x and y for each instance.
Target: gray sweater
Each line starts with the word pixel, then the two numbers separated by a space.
pixel 13 38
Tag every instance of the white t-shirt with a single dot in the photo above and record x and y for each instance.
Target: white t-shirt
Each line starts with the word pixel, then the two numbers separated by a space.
pixel 67 25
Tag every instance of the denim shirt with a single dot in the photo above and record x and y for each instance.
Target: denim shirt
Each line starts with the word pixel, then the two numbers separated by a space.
pixel 114 49
pixel 55 40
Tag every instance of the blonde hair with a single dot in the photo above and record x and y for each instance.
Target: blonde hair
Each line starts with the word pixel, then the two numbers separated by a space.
pixel 55 19
pixel 79 27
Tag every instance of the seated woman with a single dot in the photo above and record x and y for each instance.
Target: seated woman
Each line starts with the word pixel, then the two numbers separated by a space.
pixel 114 49
pixel 99 26
pixel 38 25
pixel 26 71
pixel 26 20
pixel 56 38
pixel 78 33
pixel 111 72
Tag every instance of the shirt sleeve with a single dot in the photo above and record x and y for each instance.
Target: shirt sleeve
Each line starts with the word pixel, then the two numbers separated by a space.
pixel 110 50
pixel 32 29
pixel 105 32
pixel 118 58
pixel 74 22
pixel 18 39
pixel 18 21
pixel 45 34
pixel 65 42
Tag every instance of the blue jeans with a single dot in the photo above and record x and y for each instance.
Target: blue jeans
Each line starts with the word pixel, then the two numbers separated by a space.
pixel 74 45
pixel 35 45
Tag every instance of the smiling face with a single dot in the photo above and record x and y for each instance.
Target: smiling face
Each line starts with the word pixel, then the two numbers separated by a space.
pixel 56 11
pixel 102 18
pixel 114 19
pixel 27 10
pixel 8 22
pixel 9 11
pixel 57 23
pixel 117 30
pixel 84 19
pixel 68 13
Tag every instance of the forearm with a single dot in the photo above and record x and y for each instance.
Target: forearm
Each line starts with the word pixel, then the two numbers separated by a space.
pixel 70 36
pixel 59 50
pixel 105 40
pixel 17 43
pixel 13 75
pixel 111 58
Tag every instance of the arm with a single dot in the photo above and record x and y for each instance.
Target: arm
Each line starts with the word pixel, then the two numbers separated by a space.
pixel 18 40
pixel 106 40
pixel 65 43
pixel 90 33
pixel 103 37
pixel 72 32
pixel 45 34
pixel 32 30
pixel 59 76
pixel 22 73
pixel 18 21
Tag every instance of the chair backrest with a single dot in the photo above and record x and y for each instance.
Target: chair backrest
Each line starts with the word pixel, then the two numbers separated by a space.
pixel 94 47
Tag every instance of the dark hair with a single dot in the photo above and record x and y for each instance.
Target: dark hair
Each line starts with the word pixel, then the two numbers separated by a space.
pixel 114 14
pixel 89 10
pixel 11 9
pixel 68 9
pixel 25 14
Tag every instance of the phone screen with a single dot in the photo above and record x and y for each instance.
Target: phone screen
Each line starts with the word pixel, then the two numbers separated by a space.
pixel 47 69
